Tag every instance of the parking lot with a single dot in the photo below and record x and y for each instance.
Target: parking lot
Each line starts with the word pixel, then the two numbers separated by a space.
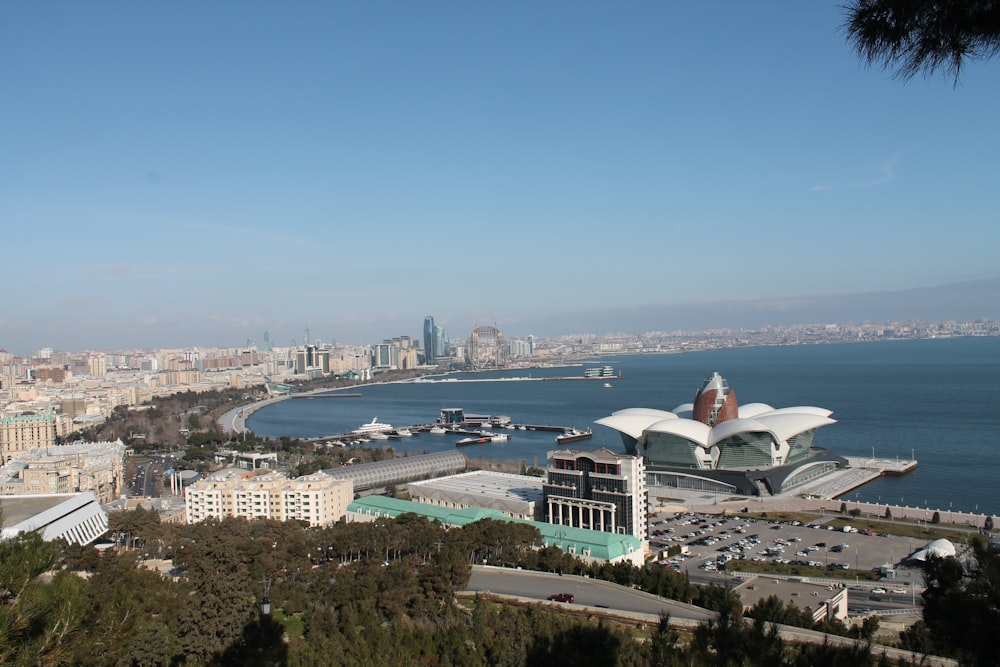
pixel 712 541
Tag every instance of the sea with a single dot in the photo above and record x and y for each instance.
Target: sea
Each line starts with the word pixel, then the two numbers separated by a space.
pixel 936 400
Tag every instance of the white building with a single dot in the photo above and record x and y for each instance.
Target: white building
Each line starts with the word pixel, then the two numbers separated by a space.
pixel 74 517
pixel 597 490
pixel 317 499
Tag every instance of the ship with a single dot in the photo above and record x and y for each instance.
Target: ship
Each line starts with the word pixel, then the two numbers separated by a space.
pixel 573 435
pixel 372 427
pixel 599 372
pixel 474 440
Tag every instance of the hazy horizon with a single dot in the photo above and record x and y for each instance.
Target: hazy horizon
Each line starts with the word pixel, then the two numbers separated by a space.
pixel 955 302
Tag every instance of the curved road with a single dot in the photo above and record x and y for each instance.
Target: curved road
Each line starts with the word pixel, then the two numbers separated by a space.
pixel 530 585
pixel 589 592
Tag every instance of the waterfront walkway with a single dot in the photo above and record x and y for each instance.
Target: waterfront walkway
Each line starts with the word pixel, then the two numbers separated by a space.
pixel 825 494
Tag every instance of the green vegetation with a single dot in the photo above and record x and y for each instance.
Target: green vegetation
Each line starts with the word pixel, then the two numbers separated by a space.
pixel 961 607
pixel 380 593
pixel 787 517
pixel 765 567
pixel 923 532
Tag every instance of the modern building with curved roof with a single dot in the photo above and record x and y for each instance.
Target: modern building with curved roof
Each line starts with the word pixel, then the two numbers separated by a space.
pixel 714 444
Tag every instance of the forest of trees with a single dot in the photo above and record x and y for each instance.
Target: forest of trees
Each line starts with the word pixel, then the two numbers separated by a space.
pixel 383 593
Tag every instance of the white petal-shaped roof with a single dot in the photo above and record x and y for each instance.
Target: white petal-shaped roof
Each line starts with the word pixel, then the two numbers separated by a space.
pixel 633 421
pixel 804 409
pixel 781 426
pixel 685 428
pixel 654 412
pixel 751 410
pixel 684 410
pixel 786 424
pixel 731 427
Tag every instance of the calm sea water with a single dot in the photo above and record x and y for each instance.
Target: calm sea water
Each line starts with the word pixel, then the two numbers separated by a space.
pixel 937 400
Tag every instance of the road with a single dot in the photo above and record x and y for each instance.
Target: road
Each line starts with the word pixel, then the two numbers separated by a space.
pixel 590 592
pixel 530 585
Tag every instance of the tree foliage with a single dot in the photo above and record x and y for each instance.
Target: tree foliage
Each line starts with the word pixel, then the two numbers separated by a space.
pixel 923 36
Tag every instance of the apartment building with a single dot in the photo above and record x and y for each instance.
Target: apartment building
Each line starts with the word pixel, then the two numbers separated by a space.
pixel 317 499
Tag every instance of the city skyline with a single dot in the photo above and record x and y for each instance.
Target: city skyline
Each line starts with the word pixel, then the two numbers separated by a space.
pixel 183 175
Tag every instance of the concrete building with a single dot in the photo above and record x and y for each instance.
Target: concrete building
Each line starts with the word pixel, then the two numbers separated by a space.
pixel 317 499
pixel 588 545
pixel 20 433
pixel 74 517
pixel 517 496
pixel 597 490
pixel 823 601
pixel 97 467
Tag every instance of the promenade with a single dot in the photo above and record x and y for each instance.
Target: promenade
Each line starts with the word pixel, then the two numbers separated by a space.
pixel 824 495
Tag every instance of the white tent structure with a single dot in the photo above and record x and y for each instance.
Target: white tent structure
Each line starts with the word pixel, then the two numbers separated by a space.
pixel 940 548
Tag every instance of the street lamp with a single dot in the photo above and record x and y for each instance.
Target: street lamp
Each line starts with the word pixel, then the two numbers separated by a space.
pixel 265 600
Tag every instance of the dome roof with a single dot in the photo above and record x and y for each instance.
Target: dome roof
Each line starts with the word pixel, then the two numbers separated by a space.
pixel 940 548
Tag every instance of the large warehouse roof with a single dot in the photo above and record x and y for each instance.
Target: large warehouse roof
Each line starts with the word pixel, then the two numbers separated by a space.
pixel 75 517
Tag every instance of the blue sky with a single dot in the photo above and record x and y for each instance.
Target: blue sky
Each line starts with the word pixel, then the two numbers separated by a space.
pixel 190 173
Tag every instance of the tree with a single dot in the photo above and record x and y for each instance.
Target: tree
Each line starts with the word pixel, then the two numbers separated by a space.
pixel 962 603
pixel 923 36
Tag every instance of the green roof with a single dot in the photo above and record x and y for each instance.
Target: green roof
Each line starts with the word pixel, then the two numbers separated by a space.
pixel 595 543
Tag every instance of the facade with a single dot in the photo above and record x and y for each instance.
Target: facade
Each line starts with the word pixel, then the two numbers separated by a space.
pixel 597 490
pixel 20 433
pixel 430 347
pixel 588 545
pixel 317 499
pixel 716 445
pixel 97 467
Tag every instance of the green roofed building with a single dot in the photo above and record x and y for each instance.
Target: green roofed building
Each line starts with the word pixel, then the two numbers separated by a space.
pixel 588 545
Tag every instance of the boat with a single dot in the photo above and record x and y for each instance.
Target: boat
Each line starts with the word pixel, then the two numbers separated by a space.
pixel 374 426
pixel 573 435
pixel 475 440
pixel 499 437
pixel 437 430
pixel 607 385
pixel 599 372
pixel 378 435
pixel 404 432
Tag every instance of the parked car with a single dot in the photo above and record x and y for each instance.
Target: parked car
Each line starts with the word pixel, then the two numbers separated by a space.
pixel 561 597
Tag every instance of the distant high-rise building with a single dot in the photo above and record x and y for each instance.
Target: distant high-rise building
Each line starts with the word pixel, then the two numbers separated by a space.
pixel 267 342
pixel 429 347
pixel 441 347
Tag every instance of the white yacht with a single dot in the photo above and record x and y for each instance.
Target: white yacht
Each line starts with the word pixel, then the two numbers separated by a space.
pixel 374 426
pixel 437 430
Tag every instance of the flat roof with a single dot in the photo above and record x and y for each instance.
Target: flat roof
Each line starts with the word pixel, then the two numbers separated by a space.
pixel 488 485
pixel 21 508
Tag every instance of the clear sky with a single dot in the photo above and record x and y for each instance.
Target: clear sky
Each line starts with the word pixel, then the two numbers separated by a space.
pixel 195 173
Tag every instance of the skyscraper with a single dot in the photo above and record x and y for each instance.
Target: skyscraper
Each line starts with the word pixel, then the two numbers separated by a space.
pixel 430 349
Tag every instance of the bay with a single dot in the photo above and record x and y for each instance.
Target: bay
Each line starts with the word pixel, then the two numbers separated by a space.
pixel 935 399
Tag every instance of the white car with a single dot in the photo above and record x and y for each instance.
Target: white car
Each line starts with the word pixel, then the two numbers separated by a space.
pixel 878 591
